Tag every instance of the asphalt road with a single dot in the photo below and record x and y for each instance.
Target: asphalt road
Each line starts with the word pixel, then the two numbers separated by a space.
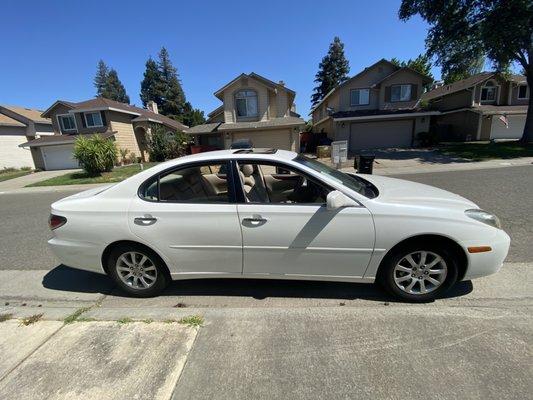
pixel 508 192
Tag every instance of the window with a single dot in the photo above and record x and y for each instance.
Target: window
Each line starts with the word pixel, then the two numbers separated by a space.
pixel 246 103
pixel 93 119
pixel 488 92
pixel 277 184
pixel 359 97
pixel 523 92
pixel 67 122
pixel 206 183
pixel 400 93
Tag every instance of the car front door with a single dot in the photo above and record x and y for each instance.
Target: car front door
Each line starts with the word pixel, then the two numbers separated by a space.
pixel 287 229
pixel 189 215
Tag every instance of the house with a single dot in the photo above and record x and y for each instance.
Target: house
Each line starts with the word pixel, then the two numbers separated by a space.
pixel 127 125
pixel 484 106
pixel 17 126
pixel 377 108
pixel 255 108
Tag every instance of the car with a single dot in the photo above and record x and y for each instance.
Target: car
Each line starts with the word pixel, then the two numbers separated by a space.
pixel 275 214
pixel 242 144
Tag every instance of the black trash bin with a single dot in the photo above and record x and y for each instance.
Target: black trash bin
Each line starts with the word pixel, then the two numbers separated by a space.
pixel 364 163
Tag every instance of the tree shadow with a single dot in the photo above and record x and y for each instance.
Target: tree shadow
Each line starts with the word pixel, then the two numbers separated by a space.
pixel 72 280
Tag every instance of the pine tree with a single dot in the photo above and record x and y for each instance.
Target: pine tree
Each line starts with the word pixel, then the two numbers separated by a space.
pixel 114 89
pixel 101 78
pixel 173 97
pixel 332 71
pixel 420 64
pixel 151 85
pixel 192 116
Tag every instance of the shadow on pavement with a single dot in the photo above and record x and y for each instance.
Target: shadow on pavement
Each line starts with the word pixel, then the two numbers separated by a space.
pixel 69 279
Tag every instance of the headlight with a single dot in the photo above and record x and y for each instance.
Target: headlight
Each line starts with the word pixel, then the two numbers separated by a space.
pixel 485 217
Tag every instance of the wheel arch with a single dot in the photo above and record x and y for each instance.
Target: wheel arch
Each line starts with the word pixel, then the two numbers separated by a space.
pixel 110 247
pixel 449 243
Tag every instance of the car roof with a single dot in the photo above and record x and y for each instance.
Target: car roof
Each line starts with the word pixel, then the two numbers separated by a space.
pixel 238 154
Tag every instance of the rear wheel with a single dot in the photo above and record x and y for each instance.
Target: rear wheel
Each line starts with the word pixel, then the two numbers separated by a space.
pixel 419 273
pixel 137 270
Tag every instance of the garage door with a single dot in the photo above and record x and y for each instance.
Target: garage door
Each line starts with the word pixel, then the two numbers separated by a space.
pixel 515 130
pixel 13 156
pixel 375 135
pixel 59 157
pixel 267 139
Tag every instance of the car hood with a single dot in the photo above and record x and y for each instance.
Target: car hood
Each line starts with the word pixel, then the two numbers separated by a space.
pixel 399 191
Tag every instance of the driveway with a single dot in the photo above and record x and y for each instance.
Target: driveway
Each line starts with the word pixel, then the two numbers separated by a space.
pixel 19 183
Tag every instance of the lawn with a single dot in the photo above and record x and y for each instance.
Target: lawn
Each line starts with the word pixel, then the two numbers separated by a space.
pixel 78 178
pixel 487 151
pixel 11 173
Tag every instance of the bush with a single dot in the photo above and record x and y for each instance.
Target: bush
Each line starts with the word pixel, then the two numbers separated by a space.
pixel 427 138
pixel 95 154
pixel 164 145
pixel 123 155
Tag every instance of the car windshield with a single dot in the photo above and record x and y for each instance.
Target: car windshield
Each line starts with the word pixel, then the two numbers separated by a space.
pixel 353 182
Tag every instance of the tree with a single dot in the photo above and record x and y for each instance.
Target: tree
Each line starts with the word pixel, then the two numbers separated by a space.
pixel 100 79
pixel 332 71
pixel 463 31
pixel 164 145
pixel 421 64
pixel 114 89
pixel 192 116
pixel 151 85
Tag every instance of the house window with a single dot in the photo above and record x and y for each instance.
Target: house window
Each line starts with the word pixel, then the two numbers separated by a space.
pixel 523 92
pixel 246 103
pixel 93 119
pixel 400 93
pixel 67 122
pixel 359 97
pixel 488 92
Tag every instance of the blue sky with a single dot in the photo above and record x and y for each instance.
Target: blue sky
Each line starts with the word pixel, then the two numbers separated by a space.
pixel 51 48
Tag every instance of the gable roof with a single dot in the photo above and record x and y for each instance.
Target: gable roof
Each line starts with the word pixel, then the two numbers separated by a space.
pixel 457 86
pixel 261 79
pixel 25 115
pixel 400 69
pixel 8 121
pixel 100 103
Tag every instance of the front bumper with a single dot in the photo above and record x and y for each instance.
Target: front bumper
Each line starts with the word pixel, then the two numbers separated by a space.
pixel 483 264
pixel 81 255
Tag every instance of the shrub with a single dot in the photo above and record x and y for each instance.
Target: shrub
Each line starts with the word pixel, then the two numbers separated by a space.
pixel 428 138
pixel 124 155
pixel 164 145
pixel 95 154
pixel 132 158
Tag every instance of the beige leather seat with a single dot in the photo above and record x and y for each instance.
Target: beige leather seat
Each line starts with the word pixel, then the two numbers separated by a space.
pixel 254 187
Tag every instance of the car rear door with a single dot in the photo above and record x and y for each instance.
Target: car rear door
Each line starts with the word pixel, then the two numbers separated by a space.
pixel 286 235
pixel 189 215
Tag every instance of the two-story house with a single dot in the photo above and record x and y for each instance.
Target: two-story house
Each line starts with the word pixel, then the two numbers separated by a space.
pixel 484 106
pixel 127 125
pixel 17 126
pixel 377 108
pixel 254 108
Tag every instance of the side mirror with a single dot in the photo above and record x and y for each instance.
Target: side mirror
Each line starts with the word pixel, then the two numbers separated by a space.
pixel 336 199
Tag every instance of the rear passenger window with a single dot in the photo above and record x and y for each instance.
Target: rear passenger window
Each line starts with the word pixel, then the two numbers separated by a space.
pixel 194 184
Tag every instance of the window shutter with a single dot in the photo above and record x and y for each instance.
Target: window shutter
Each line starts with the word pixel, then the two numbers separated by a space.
pixel 82 117
pixel 104 122
pixel 387 94
pixel 414 92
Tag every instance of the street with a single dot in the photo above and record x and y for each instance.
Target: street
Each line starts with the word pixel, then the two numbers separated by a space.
pixel 270 339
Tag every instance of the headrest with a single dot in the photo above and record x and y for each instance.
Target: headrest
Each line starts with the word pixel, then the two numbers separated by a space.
pixel 247 170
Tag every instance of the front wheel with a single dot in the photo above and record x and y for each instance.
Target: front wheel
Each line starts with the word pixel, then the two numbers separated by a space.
pixel 419 273
pixel 137 271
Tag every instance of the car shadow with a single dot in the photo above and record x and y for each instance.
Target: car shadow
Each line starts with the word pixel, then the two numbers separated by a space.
pixel 73 280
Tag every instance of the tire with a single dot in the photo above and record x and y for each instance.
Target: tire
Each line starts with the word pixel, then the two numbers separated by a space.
pixel 419 281
pixel 137 270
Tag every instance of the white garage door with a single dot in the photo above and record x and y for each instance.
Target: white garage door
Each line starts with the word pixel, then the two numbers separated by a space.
pixel 376 135
pixel 59 157
pixel 515 130
pixel 13 156
pixel 267 139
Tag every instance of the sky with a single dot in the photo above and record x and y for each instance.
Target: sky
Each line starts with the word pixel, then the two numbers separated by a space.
pixel 50 48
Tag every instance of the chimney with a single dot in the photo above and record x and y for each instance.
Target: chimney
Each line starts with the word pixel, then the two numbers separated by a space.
pixel 281 83
pixel 152 106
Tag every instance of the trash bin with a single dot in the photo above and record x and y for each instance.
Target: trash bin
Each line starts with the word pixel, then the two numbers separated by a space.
pixel 364 163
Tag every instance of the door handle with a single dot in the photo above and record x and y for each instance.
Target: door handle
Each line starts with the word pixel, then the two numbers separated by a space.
pixel 145 221
pixel 255 219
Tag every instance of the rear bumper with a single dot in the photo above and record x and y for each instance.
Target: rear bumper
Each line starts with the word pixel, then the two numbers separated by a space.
pixel 483 264
pixel 81 255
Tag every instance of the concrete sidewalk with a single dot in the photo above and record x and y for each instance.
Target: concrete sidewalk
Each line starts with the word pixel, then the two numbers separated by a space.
pixel 19 183
pixel 263 340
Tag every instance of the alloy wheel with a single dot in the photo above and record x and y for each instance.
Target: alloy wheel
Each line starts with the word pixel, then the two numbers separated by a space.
pixel 136 270
pixel 420 272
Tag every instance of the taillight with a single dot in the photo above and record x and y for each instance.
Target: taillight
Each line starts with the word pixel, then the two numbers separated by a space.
pixel 55 221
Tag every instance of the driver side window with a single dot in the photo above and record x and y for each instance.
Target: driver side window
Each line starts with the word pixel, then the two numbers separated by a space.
pixel 277 184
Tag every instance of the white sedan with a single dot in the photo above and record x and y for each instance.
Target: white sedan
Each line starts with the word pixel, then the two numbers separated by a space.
pixel 274 214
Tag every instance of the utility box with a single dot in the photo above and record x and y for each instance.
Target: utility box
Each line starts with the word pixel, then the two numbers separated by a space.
pixel 339 152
